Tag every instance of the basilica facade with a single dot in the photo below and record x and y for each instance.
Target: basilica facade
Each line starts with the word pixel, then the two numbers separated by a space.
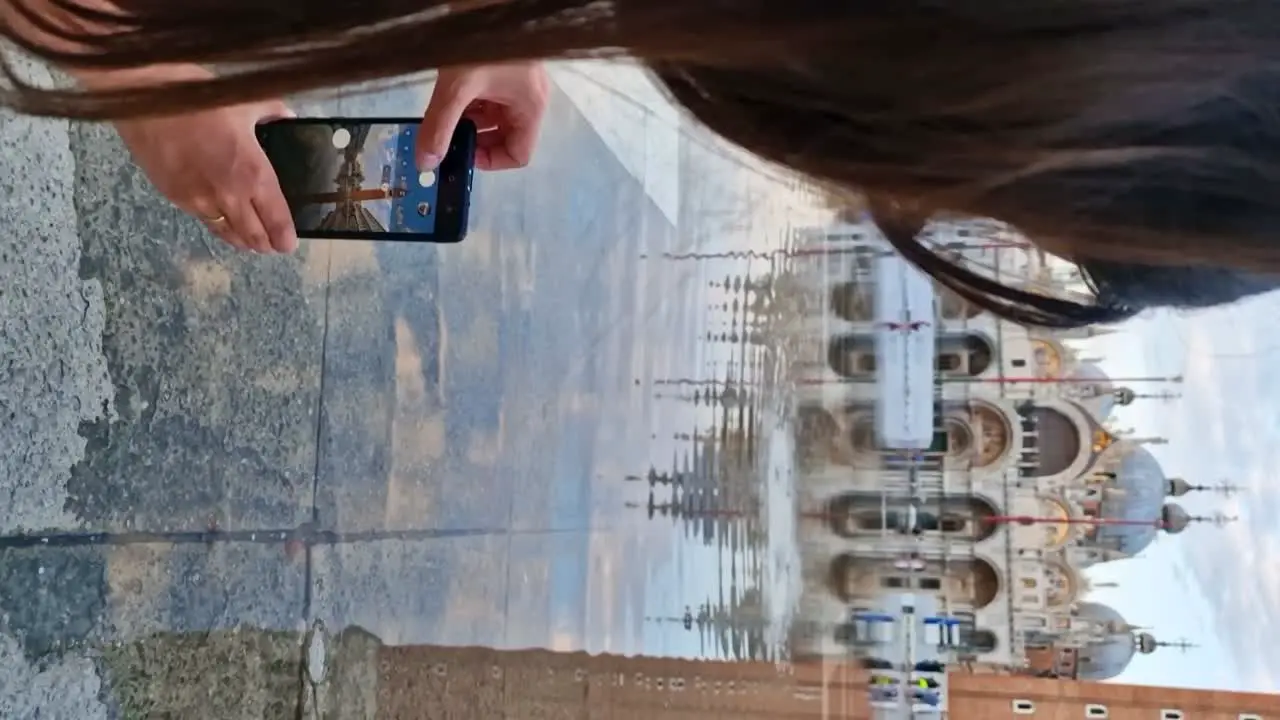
pixel 1026 485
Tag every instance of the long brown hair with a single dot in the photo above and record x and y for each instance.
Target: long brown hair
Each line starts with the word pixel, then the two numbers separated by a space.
pixel 1142 131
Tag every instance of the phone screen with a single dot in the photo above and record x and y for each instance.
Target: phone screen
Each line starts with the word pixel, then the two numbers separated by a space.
pixel 359 179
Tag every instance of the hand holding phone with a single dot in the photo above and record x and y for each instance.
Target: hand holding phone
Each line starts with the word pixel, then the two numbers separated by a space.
pixel 358 179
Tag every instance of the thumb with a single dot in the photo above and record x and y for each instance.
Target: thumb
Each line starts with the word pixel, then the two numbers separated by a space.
pixel 444 111
pixel 275 110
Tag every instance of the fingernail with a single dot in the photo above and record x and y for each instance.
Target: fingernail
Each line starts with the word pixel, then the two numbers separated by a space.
pixel 428 161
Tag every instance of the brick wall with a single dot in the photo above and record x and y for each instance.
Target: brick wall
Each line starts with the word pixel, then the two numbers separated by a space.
pixel 464 683
pixel 978 696
pixel 428 682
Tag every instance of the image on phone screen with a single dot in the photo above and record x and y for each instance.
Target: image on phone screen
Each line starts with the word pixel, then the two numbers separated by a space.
pixel 361 180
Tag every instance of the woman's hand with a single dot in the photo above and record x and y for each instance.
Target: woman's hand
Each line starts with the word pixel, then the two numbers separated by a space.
pixel 506 102
pixel 211 165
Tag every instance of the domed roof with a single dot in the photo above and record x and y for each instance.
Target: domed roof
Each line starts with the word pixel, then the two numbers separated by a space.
pixel 1100 614
pixel 1089 377
pixel 1106 658
pixel 1147 643
pixel 1091 372
pixel 1098 392
pixel 1177 487
pixel 1175 518
pixel 1141 484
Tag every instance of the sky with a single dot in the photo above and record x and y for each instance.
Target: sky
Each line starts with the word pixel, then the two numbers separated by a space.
pixel 1216 587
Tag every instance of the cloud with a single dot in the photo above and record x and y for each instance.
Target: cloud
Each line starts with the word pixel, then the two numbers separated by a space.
pixel 1225 429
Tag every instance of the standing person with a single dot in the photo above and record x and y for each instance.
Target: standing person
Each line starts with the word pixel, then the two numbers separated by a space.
pixel 1124 131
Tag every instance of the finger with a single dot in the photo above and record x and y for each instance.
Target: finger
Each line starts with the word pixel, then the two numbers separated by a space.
pixel 222 230
pixel 493 152
pixel 276 110
pixel 522 139
pixel 448 102
pixel 215 222
pixel 494 158
pixel 486 116
pixel 267 198
pixel 272 210
pixel 244 222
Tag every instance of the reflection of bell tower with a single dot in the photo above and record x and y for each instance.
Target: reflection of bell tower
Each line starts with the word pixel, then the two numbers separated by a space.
pixel 353 194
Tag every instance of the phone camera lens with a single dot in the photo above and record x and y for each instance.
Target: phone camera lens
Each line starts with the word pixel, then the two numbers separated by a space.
pixel 453 179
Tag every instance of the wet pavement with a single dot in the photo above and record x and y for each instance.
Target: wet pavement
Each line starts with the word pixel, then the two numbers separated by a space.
pixel 562 433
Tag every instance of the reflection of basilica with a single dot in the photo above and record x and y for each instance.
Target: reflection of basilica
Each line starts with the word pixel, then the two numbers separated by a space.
pixel 1025 486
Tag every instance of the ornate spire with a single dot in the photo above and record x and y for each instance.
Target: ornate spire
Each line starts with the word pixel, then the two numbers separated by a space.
pixel 1174 519
pixel 1148 644
pixel 1166 395
pixel 1178 487
pixel 1219 519
pixel 1181 644
pixel 1226 489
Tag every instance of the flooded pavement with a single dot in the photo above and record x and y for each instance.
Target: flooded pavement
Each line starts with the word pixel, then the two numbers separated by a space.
pixel 237 486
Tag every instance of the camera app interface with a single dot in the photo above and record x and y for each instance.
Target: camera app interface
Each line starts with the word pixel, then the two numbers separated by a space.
pixel 352 177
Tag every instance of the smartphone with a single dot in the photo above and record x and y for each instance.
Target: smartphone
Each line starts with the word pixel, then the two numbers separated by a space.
pixel 358 179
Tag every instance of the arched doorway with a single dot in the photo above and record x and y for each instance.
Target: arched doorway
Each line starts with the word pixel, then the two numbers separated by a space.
pixel 981 642
pixel 968 355
pixel 852 356
pixel 993 433
pixel 970 517
pixel 1055 440
pixel 956 439
pixel 852 301
pixel 984 583
pixel 864 515
pixel 847 578
pixel 862 434
pixel 853 513
pixel 1048 359
pixel 1060 585
pixel 953 307
pixel 1056 534
pixel 856 514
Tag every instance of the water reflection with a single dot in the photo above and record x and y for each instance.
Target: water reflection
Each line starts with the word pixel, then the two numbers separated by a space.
pixel 716 593
pixel 716 488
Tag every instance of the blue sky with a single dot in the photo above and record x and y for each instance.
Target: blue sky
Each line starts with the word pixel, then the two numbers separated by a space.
pixel 1218 588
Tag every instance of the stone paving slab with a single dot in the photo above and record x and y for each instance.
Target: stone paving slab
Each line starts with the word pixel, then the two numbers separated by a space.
pixel 448 590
